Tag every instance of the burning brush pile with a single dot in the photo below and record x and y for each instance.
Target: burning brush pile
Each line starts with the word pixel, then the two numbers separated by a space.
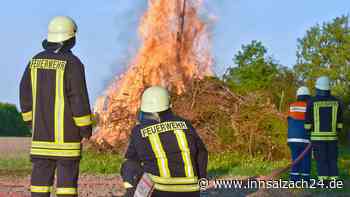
pixel 175 53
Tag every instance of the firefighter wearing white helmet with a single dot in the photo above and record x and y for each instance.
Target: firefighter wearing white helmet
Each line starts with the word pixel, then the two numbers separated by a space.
pixel 168 147
pixel 298 138
pixel 324 120
pixel 61 28
pixel 155 99
pixel 323 83
pixel 55 104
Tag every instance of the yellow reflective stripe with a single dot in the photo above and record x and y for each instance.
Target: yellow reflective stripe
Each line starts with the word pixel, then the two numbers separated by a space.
pixel 52 145
pixel 322 177
pixel 59 107
pixel 27 116
pixel 324 134
pixel 34 74
pixel 333 177
pixel 83 120
pixel 127 185
pixel 334 116
pixel 317 105
pixel 307 126
pixel 323 138
pixel 158 150
pixel 56 153
pixel 174 180
pixel 177 188
pixel 316 118
pixel 40 189
pixel 66 191
pixel 340 125
pixel 185 152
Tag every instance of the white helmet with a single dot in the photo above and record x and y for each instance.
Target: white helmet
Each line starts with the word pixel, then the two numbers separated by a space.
pixel 61 28
pixel 323 83
pixel 303 90
pixel 155 99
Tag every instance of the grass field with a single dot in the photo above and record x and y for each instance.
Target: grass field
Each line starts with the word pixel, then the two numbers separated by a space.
pixel 225 164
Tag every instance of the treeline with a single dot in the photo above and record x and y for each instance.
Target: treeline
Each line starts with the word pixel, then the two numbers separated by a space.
pixel 11 122
pixel 324 50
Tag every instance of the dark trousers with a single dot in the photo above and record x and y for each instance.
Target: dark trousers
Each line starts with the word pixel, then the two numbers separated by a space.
pixel 326 155
pixel 43 174
pixel 302 169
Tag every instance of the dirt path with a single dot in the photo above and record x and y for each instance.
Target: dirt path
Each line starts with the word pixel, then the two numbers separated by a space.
pixel 12 146
pixel 89 186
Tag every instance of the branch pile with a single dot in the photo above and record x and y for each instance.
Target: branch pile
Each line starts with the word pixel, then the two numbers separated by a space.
pixel 227 122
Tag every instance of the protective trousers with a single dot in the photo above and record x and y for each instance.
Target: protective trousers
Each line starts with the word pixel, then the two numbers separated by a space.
pixel 326 155
pixel 302 169
pixel 43 174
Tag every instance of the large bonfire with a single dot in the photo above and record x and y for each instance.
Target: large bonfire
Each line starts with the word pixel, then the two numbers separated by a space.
pixel 175 50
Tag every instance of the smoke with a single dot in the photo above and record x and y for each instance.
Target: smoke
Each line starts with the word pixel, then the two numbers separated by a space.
pixel 126 23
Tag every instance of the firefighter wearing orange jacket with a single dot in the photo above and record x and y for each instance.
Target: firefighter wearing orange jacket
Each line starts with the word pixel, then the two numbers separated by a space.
pixel 54 102
pixel 298 137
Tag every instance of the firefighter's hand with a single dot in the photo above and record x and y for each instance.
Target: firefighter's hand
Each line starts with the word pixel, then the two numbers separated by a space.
pixel 129 192
pixel 84 140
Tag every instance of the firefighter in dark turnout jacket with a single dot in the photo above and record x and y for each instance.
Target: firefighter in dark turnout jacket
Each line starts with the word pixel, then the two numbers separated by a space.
pixel 54 102
pixel 324 120
pixel 298 138
pixel 165 146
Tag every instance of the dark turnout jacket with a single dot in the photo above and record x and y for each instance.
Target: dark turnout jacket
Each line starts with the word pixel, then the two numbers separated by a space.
pixel 324 117
pixel 54 102
pixel 171 151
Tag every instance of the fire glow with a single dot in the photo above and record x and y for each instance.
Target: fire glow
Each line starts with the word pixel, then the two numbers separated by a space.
pixel 175 49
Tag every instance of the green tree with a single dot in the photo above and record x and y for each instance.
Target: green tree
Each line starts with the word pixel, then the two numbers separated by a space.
pixel 11 123
pixel 325 50
pixel 256 70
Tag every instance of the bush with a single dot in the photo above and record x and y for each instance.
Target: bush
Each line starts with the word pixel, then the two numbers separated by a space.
pixel 11 122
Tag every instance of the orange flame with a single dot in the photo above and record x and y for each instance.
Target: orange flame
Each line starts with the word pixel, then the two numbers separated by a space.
pixel 175 49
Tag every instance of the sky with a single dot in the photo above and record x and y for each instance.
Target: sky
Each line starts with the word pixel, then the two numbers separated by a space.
pixel 107 35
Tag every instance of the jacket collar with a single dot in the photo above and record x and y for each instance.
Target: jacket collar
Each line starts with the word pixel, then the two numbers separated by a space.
pixel 65 46
pixel 303 98
pixel 145 117
pixel 323 93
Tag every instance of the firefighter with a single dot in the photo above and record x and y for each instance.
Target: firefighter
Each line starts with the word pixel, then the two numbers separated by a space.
pixel 324 120
pixel 54 102
pixel 298 138
pixel 167 147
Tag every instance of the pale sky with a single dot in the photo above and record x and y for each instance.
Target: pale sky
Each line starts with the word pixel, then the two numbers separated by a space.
pixel 107 37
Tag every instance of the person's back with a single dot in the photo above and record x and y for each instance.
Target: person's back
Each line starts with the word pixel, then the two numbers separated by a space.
pixel 298 138
pixel 58 99
pixel 54 102
pixel 172 142
pixel 171 151
pixel 324 120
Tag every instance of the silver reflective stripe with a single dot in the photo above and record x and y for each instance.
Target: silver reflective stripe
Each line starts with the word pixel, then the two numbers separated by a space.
pixel 298 109
pixel 300 140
